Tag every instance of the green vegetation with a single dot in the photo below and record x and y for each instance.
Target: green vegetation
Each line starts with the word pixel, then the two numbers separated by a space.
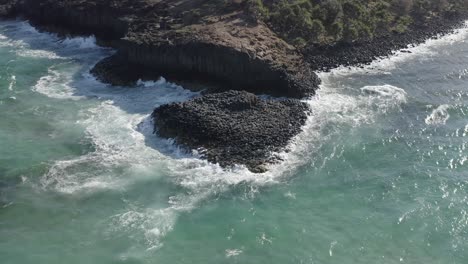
pixel 326 21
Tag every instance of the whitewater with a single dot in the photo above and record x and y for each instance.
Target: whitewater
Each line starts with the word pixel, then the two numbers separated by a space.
pixel 378 175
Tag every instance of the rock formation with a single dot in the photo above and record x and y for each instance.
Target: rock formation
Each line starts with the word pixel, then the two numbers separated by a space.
pixel 191 40
pixel 223 45
pixel 233 127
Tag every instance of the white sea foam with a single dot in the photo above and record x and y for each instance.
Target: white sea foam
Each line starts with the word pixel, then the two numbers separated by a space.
pixel 56 84
pixel 126 152
pixel 385 97
pixel 422 51
pixel 32 53
pixel 154 224
pixel 439 116
pixel 386 92
pixel 335 109
pixel 10 43
pixel 30 43
pixel 233 252
pixel 12 83
pixel 336 105
pixel 161 81
pixel 80 42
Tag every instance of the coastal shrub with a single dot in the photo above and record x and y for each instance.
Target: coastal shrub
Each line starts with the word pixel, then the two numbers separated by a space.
pixel 402 24
pixel 299 42
pixel 256 9
pixel 329 21
pixel 336 31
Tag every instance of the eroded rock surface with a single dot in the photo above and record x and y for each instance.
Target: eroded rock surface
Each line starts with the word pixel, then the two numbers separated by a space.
pixel 234 127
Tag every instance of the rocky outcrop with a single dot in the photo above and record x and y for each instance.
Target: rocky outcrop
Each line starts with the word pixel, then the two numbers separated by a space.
pixel 75 17
pixel 208 41
pixel 233 127
pixel 194 61
pixel 326 57
pixel 117 71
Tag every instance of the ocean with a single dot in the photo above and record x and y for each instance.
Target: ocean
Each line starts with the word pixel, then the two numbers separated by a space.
pixel 378 175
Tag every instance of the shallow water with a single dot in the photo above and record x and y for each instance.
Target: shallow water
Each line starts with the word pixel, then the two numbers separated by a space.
pixel 379 174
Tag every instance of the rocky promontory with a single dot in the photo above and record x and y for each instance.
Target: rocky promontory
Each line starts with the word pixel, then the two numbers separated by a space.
pixel 199 41
pixel 236 50
pixel 233 127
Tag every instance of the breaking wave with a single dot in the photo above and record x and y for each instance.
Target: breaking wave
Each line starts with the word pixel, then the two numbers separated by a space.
pixel 439 116
pixel 125 152
pixel 422 51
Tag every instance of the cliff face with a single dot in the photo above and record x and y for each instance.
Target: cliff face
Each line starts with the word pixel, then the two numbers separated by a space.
pixel 209 62
pixel 75 17
pixel 215 43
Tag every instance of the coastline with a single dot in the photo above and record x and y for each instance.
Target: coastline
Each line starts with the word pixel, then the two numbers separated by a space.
pixel 325 58
pixel 149 54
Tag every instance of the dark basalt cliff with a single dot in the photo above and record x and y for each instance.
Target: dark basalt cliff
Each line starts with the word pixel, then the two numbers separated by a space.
pixel 219 45
pixel 159 38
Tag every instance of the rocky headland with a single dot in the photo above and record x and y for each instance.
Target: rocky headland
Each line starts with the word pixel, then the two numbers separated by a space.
pixel 234 127
pixel 190 40
pixel 239 49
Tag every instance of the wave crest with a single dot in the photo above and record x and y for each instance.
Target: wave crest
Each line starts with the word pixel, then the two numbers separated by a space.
pixel 439 116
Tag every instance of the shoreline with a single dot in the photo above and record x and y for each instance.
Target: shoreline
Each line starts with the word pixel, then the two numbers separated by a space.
pixel 230 127
pixel 358 54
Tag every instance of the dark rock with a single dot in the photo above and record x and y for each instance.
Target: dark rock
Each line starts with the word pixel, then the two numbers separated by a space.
pixel 327 57
pixel 194 62
pixel 215 44
pixel 92 17
pixel 117 71
pixel 234 127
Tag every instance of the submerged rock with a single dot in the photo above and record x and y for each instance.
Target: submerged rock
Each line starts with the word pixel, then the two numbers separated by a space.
pixel 234 127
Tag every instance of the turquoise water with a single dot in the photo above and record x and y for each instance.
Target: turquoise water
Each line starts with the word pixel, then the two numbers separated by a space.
pixel 379 174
